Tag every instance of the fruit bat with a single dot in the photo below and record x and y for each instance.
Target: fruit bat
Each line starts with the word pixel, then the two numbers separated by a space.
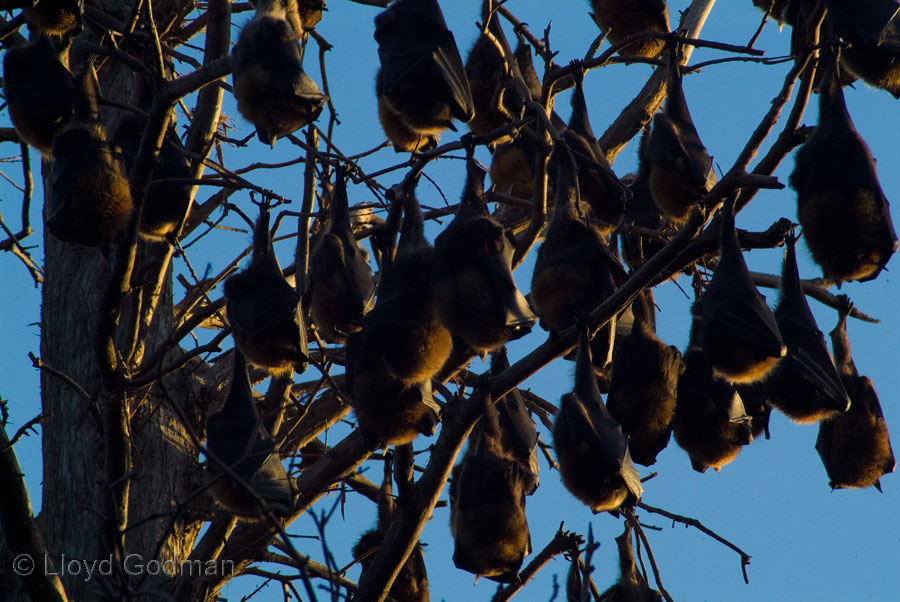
pixel 574 267
pixel 680 170
pixel 631 586
pixel 808 387
pixel 591 448
pixel 474 291
pixel 404 318
pixel 732 323
pixel 599 186
pixel 855 447
pixel 389 411
pixel 90 201
pixel 421 85
pixel 487 505
pixel 710 422
pixel 845 217
pixel 340 279
pixel 264 311
pixel 642 212
pixel 518 432
pixel 871 29
pixel 55 17
pixel 272 90
pixel 237 436
pixel 492 78
pixel 620 19
pixel 166 203
pixel 512 168
pixel 411 584
pixel 643 386
pixel 40 92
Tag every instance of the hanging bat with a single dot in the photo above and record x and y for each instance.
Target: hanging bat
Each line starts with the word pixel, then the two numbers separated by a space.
pixel 808 387
pixel 680 170
pixel 487 505
pixel 871 30
pixel 40 92
pixel 512 168
pixel 389 411
pixel 421 85
pixel 599 186
pixel 845 216
pixel 631 586
pixel 271 88
pixel 340 279
pixel 411 584
pixel 574 270
pixel 264 311
pixel 620 19
pixel 55 17
pixel 517 430
pixel 855 447
pixel 499 92
pixel 591 448
pixel 732 323
pixel 644 383
pixel 642 212
pixel 474 291
pixel 710 422
pixel 404 318
pixel 166 204
pixel 90 201
pixel 237 437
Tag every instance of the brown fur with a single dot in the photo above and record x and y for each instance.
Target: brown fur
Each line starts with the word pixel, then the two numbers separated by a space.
pixel 403 137
pixel 622 19
pixel 55 17
pixel 702 427
pixel 512 170
pixel 417 353
pixel 39 92
pixel 487 506
pixel 99 202
pixel 389 412
pixel 642 392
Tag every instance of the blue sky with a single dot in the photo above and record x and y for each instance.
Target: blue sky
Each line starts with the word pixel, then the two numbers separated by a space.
pixel 807 542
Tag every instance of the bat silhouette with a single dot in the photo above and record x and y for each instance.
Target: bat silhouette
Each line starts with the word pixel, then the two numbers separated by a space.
pixel 271 88
pixel 40 92
pixel 710 422
pixel 845 217
pixel 404 318
pixel 91 200
pixel 591 448
pixel 855 447
pixel 421 85
pixel 266 319
pixel 237 437
pixel 341 286
pixel 808 387
pixel 680 170
pixel 732 324
pixel 474 291
pixel 643 386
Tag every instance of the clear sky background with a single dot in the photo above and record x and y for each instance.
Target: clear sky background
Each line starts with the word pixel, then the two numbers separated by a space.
pixel 806 542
